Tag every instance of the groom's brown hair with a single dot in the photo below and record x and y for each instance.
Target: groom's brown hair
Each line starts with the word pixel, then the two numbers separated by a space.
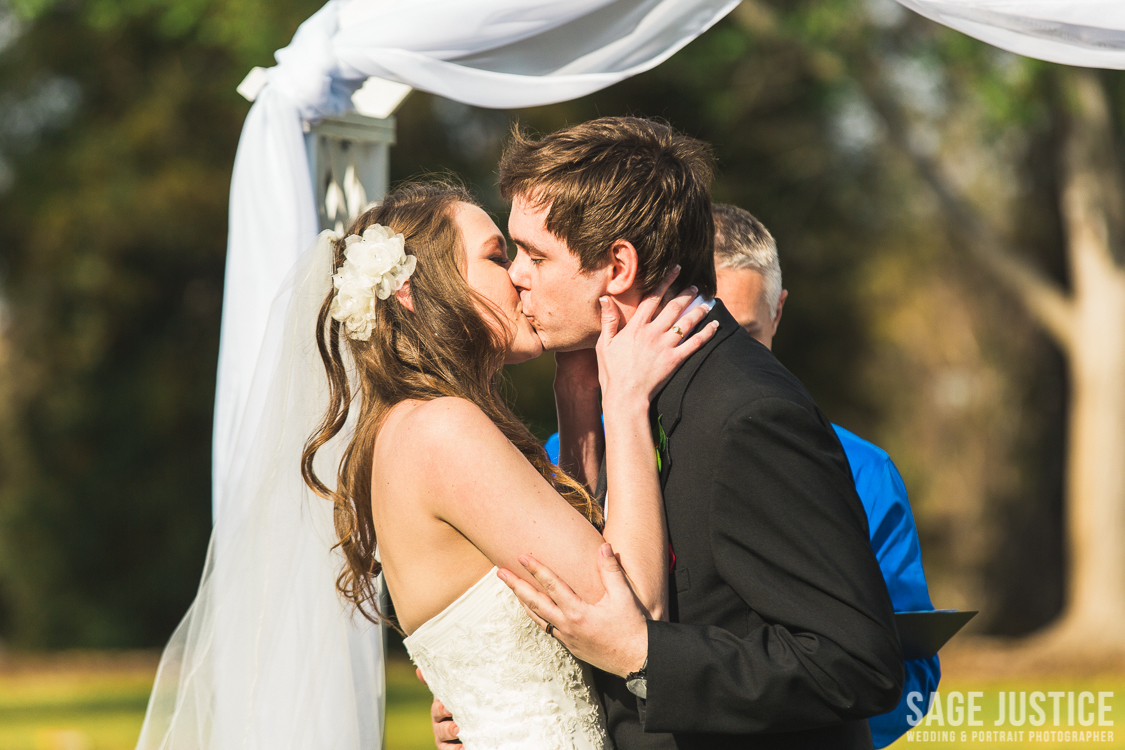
pixel 621 178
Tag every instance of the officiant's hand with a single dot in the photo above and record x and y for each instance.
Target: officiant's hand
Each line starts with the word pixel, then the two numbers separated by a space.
pixel 611 634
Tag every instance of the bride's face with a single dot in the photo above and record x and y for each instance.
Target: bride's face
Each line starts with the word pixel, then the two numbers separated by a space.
pixel 486 270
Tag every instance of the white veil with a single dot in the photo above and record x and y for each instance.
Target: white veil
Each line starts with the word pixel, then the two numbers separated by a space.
pixel 269 656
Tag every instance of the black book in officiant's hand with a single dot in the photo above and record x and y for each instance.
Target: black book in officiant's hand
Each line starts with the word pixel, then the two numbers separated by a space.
pixel 923 633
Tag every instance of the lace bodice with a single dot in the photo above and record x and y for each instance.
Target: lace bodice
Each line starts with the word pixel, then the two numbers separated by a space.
pixel 507 683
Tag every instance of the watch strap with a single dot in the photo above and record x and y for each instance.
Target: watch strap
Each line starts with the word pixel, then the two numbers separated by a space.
pixel 637 682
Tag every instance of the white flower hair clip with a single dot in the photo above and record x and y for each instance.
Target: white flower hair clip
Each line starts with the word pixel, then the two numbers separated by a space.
pixel 375 266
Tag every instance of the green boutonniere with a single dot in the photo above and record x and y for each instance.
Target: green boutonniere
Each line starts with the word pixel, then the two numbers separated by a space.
pixel 661 441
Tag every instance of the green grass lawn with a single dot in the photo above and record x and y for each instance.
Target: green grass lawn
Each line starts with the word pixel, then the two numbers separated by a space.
pixel 408 709
pixel 55 706
pixel 97 702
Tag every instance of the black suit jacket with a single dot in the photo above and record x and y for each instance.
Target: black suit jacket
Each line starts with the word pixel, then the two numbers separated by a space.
pixel 781 631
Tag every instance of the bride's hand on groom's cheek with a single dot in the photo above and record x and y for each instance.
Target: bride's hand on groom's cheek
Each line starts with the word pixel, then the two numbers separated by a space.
pixel 611 634
pixel 636 359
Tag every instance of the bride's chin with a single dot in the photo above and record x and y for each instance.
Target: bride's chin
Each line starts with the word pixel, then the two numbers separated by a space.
pixel 516 355
pixel 525 347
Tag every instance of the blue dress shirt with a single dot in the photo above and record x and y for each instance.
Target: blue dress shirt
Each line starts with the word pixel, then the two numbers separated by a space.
pixel 894 539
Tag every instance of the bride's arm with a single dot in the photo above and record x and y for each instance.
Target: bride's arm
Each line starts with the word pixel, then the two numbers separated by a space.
pixel 470 476
pixel 633 364
pixel 474 479
pixel 634 522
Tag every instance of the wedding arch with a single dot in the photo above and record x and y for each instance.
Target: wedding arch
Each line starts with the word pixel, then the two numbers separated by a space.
pixel 295 669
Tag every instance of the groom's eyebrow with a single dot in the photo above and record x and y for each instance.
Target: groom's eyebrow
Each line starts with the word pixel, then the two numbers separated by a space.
pixel 529 247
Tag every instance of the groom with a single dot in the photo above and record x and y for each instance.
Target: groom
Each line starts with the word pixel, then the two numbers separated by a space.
pixel 780 631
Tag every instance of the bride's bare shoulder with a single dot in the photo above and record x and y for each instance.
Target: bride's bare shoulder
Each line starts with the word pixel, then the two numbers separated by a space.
pixel 434 419
pixel 443 429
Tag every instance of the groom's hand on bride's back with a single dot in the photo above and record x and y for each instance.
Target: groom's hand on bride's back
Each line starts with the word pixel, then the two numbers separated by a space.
pixel 445 729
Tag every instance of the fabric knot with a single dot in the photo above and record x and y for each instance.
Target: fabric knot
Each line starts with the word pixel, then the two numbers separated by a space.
pixel 307 71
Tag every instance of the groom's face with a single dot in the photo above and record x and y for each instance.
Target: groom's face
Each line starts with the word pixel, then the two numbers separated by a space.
pixel 559 299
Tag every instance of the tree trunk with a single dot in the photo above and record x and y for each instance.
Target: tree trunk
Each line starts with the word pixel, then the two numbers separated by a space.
pixel 1088 325
pixel 1092 203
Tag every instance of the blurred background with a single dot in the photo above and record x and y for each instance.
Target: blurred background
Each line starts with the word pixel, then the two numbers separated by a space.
pixel 891 158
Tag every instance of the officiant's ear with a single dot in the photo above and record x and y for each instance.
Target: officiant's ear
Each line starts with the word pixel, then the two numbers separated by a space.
pixel 403 296
pixel 623 267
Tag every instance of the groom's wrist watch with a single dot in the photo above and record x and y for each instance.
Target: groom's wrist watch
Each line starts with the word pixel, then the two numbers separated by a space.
pixel 637 682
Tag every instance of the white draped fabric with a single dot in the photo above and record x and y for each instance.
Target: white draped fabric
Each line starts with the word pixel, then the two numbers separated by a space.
pixel 1088 33
pixel 270 657
pixel 490 53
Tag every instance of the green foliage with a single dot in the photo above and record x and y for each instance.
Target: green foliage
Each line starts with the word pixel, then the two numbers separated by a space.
pixel 113 247
pixel 247 30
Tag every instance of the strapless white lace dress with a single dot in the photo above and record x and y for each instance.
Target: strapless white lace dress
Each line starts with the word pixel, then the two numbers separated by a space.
pixel 507 683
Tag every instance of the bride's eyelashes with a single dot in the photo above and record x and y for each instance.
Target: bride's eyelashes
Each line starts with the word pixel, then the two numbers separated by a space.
pixel 499 254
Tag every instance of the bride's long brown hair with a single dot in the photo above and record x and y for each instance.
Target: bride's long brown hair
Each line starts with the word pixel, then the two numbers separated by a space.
pixel 445 347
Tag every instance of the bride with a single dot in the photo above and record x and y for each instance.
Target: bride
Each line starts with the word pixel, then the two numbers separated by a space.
pixel 441 484
pixel 430 480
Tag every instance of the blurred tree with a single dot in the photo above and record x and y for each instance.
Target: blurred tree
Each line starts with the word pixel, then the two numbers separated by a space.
pixel 118 125
pixel 902 77
pixel 1087 323
pixel 146 155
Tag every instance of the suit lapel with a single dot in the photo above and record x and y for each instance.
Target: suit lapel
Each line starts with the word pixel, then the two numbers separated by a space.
pixel 665 411
pixel 668 404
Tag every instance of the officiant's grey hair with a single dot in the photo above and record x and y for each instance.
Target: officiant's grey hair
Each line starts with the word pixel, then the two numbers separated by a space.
pixel 621 178
pixel 743 243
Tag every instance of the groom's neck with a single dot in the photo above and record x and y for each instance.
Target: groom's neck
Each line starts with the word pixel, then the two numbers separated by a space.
pixel 627 303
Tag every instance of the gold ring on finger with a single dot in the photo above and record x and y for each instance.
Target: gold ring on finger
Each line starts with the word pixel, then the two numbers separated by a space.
pixel 550 629
pixel 677 330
